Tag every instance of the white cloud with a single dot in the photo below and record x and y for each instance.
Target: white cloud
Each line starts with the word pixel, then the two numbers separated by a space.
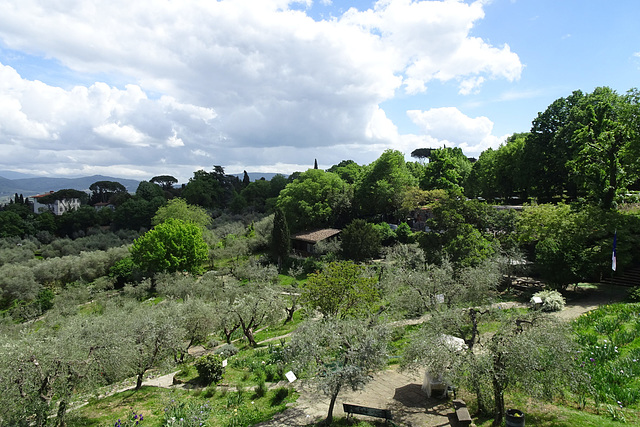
pixel 229 79
pixel 175 141
pixel 450 127
pixel 124 133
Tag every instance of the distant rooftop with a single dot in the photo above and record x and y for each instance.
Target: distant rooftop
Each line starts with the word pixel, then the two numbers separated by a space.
pixel 315 236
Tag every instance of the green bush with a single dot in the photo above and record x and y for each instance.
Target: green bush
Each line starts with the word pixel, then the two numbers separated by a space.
pixel 227 350
pixel 209 368
pixel 279 395
pixel 634 294
pixel 551 300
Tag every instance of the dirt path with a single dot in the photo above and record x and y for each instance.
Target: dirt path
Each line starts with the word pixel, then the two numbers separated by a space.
pixel 582 300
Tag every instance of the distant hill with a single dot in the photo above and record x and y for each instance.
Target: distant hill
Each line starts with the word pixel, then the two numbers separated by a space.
pixel 16 175
pixel 32 186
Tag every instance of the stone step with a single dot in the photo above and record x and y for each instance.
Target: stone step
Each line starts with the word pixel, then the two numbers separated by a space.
pixel 630 278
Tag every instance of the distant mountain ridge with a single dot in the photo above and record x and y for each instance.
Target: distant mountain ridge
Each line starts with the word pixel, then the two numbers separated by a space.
pixel 32 186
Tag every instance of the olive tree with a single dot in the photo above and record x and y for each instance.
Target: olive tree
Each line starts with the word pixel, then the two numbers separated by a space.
pixel 256 305
pixel 530 352
pixel 338 353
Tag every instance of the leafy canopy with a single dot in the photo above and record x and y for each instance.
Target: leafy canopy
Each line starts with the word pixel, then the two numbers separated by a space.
pixel 341 290
pixel 174 245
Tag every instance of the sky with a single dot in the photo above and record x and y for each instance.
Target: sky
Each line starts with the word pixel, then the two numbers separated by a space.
pixel 168 87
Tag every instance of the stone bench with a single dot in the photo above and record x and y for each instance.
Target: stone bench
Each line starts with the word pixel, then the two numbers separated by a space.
pixel 464 418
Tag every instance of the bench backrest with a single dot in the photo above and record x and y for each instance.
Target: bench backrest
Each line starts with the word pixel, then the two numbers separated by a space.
pixel 363 410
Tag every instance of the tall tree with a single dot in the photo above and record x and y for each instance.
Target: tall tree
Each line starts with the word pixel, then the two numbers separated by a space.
pixel 378 192
pixel 280 237
pixel 174 245
pixel 245 179
pixel 608 141
pixel 212 189
pixel 548 148
pixel 165 181
pixel 102 191
pixel 348 170
pixel 421 154
pixel 149 191
pixel 448 169
pixel 316 199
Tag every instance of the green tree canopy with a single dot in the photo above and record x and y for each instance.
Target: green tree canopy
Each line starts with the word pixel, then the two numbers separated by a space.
pixel 607 141
pixel 102 191
pixel 316 199
pixel 174 245
pixel 179 209
pixel 212 189
pixel 342 289
pixel 148 191
pixel 448 169
pixel 165 181
pixel 348 170
pixel 498 173
pixel 381 184
pixel 549 147
pixel 360 240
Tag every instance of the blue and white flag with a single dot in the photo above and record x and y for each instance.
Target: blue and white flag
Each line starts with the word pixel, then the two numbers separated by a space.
pixel 613 255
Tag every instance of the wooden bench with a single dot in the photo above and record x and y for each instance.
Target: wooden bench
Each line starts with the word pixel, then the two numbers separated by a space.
pixel 363 410
pixel 464 418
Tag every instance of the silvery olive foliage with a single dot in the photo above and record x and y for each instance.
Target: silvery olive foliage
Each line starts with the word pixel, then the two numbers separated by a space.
pixel 338 353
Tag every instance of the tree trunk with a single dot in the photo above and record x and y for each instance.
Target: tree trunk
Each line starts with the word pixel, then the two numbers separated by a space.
pixel 228 332
pixel 498 393
pixel 334 396
pixel 290 312
pixel 249 334
pixel 62 413
pixel 139 381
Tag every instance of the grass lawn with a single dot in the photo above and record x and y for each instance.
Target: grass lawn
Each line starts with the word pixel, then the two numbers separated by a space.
pixel 214 408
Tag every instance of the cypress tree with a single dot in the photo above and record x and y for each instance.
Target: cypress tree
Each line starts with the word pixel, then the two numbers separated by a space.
pixel 280 237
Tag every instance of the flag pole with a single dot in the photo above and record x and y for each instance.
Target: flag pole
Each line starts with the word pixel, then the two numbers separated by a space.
pixel 613 254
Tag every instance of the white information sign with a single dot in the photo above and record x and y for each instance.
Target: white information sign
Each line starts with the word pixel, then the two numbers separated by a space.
pixel 291 376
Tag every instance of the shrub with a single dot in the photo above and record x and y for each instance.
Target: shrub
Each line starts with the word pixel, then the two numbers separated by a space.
pixel 634 294
pixel 209 368
pixel 261 389
pixel 227 350
pixel 551 300
pixel 212 343
pixel 279 395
